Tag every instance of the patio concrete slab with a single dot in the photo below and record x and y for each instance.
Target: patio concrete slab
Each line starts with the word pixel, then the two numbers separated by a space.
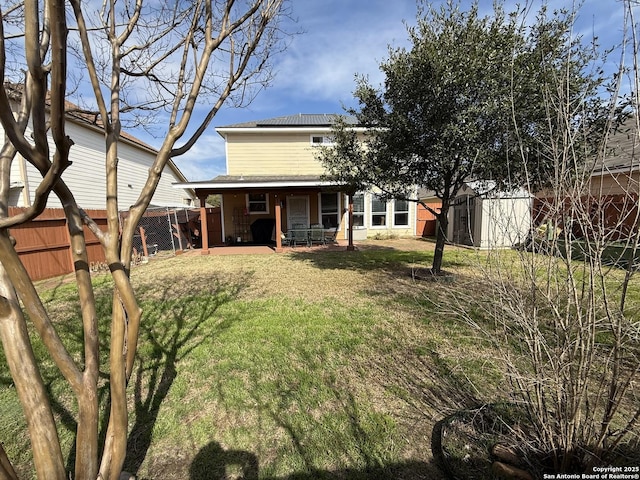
pixel 265 249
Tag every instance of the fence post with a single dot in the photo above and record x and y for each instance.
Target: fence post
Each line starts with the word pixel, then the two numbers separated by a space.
pixel 178 230
pixel 173 242
pixel 143 239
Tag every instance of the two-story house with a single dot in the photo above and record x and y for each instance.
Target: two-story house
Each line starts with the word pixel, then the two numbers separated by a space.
pixel 274 181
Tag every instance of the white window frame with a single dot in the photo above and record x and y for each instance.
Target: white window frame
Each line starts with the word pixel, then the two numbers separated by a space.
pixel 378 213
pixel 361 213
pixel 336 212
pixel 250 202
pixel 321 140
pixel 395 212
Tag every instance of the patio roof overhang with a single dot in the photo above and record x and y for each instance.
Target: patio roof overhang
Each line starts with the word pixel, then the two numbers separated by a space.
pixel 230 183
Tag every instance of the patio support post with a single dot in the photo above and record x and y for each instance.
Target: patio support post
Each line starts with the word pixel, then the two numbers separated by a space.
pixel 204 228
pixel 350 247
pixel 278 213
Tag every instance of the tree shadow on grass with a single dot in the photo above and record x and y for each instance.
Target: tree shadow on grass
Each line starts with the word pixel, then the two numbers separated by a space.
pixel 214 463
pixel 433 387
pixel 426 381
pixel 388 269
pixel 355 440
pixel 357 434
pixel 170 331
pixel 369 260
pixel 375 465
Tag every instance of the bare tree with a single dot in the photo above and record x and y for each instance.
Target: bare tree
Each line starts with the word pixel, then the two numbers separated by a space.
pixel 562 311
pixel 165 59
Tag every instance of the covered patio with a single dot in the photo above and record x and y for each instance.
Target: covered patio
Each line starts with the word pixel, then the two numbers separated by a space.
pixel 260 210
pixel 339 245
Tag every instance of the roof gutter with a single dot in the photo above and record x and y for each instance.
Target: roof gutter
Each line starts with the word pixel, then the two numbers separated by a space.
pixel 240 185
pixel 258 130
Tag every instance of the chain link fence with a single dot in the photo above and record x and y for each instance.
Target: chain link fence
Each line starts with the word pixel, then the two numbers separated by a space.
pixel 164 231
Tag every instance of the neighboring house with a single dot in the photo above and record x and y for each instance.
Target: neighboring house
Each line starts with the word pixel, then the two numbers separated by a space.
pixel 619 173
pixel 484 217
pixel 86 174
pixel 615 182
pixel 274 182
pixel 613 190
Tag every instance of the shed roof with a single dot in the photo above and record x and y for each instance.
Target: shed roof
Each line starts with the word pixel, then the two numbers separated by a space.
pixel 487 189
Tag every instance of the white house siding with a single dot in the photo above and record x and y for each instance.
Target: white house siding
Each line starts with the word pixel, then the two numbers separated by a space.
pixel 86 175
pixel 17 195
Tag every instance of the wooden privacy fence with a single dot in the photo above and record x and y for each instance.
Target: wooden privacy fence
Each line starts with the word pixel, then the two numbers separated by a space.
pixel 44 246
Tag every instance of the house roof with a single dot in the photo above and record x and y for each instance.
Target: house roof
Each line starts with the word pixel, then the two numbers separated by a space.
pixel 297 120
pixel 624 145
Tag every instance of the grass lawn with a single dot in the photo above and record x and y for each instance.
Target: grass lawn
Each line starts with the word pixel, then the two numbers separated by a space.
pixel 302 365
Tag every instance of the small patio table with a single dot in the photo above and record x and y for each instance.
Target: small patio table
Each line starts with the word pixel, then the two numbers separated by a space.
pixel 299 235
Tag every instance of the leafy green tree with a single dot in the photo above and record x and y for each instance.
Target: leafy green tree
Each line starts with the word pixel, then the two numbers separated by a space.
pixel 463 103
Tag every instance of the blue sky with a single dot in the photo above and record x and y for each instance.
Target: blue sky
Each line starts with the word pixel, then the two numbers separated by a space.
pixel 343 38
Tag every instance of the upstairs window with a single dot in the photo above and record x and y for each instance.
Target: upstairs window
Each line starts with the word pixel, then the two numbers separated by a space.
pixel 321 140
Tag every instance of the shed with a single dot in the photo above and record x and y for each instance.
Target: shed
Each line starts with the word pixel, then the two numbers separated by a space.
pixel 485 217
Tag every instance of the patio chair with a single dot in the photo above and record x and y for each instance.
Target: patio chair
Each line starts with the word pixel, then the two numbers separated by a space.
pixel 316 235
pixel 299 235
pixel 331 236
pixel 285 239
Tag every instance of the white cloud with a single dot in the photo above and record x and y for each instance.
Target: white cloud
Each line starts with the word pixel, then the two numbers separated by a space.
pixel 205 160
pixel 339 42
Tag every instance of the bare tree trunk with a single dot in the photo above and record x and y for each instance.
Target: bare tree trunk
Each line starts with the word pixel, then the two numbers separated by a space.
pixel 47 454
pixel 86 465
pixel 6 469
pixel 441 237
